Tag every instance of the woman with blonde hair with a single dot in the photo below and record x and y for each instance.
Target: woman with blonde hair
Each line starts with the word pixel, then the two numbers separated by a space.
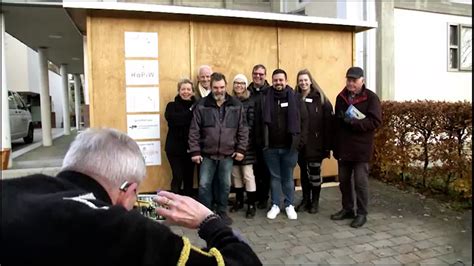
pixel 242 171
pixel 179 115
pixel 318 142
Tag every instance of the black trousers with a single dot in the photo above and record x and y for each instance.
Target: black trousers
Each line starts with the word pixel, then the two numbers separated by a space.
pixel 183 174
pixel 310 177
pixel 357 174
pixel 262 178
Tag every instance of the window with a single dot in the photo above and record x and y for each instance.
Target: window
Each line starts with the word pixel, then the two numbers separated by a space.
pixel 459 47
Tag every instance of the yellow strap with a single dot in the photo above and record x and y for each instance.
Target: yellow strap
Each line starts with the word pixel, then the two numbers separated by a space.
pixel 213 252
pixel 183 258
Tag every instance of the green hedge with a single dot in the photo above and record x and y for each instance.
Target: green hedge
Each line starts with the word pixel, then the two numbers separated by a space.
pixel 426 144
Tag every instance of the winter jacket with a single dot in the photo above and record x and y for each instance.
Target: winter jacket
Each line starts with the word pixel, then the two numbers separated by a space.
pixel 256 97
pixel 70 220
pixel 179 115
pixel 257 91
pixel 215 138
pixel 249 123
pixel 320 128
pixel 262 130
pixel 354 139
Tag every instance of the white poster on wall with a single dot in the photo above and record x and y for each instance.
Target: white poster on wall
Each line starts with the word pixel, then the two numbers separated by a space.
pixel 141 44
pixel 143 100
pixel 143 126
pixel 151 151
pixel 141 72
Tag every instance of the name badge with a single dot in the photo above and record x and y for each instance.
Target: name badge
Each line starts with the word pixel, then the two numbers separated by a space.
pixel 308 100
pixel 284 104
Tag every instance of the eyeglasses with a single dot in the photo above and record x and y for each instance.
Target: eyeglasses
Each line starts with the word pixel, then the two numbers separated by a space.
pixel 239 83
pixel 258 74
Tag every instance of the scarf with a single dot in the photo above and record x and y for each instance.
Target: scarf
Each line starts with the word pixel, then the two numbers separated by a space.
pixel 293 117
pixel 202 91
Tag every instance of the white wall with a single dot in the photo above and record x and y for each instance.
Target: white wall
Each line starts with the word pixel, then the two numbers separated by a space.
pixel 55 88
pixel 16 61
pixel 421 58
pixel 22 69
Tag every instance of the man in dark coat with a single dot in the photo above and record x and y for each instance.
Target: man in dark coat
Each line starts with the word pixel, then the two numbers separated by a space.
pixel 83 216
pixel 258 86
pixel 217 136
pixel 283 123
pixel 359 113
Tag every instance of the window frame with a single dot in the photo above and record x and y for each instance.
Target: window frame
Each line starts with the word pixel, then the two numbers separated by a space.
pixel 457 47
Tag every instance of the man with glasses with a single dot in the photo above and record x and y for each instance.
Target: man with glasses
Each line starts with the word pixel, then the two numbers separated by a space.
pixel 262 175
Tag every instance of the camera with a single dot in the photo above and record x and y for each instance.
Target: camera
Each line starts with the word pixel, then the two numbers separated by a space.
pixel 147 207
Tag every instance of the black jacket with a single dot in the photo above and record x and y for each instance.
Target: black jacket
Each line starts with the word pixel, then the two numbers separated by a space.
pixel 355 139
pixel 256 96
pixel 212 137
pixel 69 220
pixel 249 123
pixel 262 131
pixel 178 114
pixel 320 128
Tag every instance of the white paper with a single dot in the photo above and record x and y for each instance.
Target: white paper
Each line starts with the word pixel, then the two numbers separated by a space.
pixel 143 100
pixel 141 72
pixel 151 151
pixel 141 44
pixel 143 126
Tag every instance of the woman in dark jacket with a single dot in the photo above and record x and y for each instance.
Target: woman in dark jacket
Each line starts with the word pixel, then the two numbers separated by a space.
pixel 318 142
pixel 179 114
pixel 242 171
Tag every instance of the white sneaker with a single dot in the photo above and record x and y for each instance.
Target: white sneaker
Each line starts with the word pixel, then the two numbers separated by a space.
pixel 290 212
pixel 273 212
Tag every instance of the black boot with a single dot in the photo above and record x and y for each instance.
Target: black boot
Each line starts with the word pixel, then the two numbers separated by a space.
pixel 239 200
pixel 314 207
pixel 305 202
pixel 251 205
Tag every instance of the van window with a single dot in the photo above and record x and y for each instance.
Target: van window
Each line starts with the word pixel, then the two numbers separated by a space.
pixel 19 101
pixel 11 102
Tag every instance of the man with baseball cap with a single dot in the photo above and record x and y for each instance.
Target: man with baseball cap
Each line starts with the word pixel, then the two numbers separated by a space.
pixel 359 113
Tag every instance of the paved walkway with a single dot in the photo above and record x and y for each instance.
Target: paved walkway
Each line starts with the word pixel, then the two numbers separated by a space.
pixel 402 227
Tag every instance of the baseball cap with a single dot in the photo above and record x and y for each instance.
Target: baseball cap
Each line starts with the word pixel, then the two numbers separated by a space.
pixel 355 72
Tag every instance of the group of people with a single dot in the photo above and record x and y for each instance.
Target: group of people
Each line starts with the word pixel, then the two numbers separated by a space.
pixel 83 215
pixel 251 139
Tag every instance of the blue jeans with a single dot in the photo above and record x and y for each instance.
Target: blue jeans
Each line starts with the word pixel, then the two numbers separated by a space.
pixel 209 170
pixel 281 163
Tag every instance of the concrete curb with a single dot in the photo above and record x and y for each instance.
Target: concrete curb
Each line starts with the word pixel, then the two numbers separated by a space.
pixel 33 146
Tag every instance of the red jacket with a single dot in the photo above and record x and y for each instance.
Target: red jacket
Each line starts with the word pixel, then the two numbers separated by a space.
pixel 354 140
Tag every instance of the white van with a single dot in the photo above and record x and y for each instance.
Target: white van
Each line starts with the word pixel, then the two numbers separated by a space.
pixel 21 124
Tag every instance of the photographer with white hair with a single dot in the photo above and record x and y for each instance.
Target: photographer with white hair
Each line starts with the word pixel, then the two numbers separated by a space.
pixel 84 215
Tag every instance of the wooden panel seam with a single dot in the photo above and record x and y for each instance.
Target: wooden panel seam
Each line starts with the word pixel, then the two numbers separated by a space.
pixel 89 74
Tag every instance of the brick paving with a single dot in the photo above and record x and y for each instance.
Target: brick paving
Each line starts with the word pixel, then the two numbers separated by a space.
pixel 402 228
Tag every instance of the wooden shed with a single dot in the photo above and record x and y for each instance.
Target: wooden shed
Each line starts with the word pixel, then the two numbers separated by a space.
pixel 122 62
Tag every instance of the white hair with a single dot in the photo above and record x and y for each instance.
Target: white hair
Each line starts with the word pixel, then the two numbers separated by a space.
pixel 107 154
pixel 204 67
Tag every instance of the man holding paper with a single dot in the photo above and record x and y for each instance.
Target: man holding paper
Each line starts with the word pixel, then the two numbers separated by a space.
pixel 359 113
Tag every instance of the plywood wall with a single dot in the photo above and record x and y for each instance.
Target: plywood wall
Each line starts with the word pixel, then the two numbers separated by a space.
pixel 229 48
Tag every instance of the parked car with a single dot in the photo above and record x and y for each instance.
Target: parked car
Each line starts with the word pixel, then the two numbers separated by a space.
pixel 21 124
